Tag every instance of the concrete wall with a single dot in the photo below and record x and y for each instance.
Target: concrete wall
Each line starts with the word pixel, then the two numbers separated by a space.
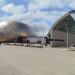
pixel 62 36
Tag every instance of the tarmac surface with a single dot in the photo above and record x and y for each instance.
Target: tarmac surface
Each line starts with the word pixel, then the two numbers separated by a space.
pixel 20 60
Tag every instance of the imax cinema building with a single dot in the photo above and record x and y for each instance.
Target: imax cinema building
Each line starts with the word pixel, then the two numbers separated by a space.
pixel 62 33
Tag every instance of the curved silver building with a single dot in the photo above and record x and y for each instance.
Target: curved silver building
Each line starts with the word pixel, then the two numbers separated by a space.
pixel 11 30
pixel 62 33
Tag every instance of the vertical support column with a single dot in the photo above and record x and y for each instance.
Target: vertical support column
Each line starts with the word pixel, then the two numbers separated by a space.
pixel 67 39
pixel 51 42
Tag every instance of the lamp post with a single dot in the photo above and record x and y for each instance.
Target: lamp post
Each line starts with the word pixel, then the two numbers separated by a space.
pixel 67 37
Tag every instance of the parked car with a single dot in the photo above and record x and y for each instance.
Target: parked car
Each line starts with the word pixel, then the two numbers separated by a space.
pixel 72 47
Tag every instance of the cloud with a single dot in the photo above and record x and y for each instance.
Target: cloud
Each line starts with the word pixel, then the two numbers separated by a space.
pixel 72 4
pixel 48 4
pixel 13 9
pixel 40 28
pixel 39 20
pixel 38 4
pixel 2 2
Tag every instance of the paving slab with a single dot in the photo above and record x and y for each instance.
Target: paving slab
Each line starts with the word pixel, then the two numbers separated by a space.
pixel 20 60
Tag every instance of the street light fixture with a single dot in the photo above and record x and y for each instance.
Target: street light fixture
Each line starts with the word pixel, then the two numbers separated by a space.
pixel 67 37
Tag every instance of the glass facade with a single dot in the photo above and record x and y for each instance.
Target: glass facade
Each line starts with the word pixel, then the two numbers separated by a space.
pixel 66 22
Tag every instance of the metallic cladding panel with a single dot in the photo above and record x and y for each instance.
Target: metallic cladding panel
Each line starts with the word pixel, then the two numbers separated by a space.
pixel 10 30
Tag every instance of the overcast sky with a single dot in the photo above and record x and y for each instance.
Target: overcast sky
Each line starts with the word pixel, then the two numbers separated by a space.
pixel 39 14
